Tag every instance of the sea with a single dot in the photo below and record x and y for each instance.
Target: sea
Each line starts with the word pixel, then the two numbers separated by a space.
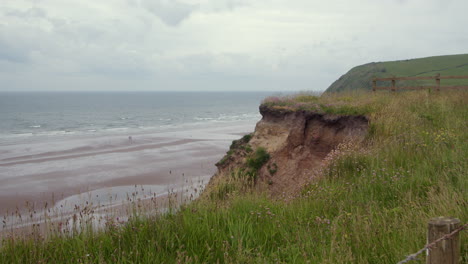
pixel 29 115
pixel 62 148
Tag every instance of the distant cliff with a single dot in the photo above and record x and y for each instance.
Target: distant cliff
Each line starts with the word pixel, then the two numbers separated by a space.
pixel 360 77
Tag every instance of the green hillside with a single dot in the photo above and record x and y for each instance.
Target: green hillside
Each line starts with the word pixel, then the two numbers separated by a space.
pixel 360 77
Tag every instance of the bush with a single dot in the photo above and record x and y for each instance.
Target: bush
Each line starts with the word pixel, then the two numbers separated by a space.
pixel 246 138
pixel 258 159
pixel 273 169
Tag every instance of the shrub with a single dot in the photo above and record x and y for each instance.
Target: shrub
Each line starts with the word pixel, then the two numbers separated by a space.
pixel 272 169
pixel 239 144
pixel 246 138
pixel 255 161
pixel 258 159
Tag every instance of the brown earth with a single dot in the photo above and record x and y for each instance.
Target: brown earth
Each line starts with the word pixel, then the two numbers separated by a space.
pixel 298 142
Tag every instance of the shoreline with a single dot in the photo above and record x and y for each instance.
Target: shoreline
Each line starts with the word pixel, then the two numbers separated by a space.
pixel 167 159
pixel 75 213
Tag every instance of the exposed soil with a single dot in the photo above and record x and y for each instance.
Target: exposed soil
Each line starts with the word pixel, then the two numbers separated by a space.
pixel 297 142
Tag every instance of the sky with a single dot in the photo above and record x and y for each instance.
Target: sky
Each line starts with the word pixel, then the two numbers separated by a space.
pixel 215 45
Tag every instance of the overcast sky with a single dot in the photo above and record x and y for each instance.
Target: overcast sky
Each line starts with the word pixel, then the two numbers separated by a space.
pixel 215 45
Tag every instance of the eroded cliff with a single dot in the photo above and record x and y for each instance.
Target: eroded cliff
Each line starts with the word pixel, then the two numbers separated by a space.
pixel 297 142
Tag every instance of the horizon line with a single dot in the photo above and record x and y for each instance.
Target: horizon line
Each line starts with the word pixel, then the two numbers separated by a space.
pixel 161 91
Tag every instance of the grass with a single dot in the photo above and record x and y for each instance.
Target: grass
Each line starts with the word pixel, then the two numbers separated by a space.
pixel 360 77
pixel 327 104
pixel 239 145
pixel 371 204
pixel 445 65
pixel 257 159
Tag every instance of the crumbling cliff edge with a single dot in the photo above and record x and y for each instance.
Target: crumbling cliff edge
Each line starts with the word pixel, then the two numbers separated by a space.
pixel 297 142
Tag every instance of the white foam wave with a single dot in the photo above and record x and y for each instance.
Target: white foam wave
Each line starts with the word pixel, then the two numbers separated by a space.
pixel 227 117
pixel 204 118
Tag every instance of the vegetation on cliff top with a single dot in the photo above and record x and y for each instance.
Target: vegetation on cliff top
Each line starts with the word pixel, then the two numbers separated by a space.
pixel 371 204
pixel 360 77
pixel 341 104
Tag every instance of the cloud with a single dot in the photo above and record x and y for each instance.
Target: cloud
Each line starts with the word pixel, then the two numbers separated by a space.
pixel 10 53
pixel 215 44
pixel 171 12
pixel 224 5
pixel 29 13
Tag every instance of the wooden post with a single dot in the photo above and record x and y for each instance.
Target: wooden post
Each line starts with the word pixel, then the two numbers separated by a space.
pixel 374 84
pixel 446 251
pixel 393 85
pixel 437 77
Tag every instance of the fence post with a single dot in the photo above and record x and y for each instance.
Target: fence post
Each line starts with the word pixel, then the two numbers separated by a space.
pixel 446 251
pixel 393 84
pixel 437 77
pixel 374 84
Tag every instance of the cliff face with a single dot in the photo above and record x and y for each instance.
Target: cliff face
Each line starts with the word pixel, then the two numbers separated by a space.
pixel 297 142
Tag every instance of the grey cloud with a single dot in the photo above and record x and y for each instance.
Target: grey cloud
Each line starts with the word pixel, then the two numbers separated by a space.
pixel 231 4
pixel 226 5
pixel 10 53
pixel 229 44
pixel 30 13
pixel 116 64
pixel 171 12
pixel 13 47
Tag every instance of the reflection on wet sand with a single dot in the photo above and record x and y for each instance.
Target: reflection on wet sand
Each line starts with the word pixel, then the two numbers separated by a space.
pixel 61 179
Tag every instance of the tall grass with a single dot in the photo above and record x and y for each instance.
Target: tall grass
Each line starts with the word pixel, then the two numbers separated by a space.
pixel 371 204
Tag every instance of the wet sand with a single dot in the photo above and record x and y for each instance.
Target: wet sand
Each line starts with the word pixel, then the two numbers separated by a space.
pixel 90 210
pixel 60 170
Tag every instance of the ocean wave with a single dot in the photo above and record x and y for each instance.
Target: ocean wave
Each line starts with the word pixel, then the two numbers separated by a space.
pixel 158 126
pixel 16 135
pixel 203 118
pixel 232 117
pixel 117 129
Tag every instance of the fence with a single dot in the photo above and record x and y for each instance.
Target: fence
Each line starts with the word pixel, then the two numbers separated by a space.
pixel 443 242
pixel 437 79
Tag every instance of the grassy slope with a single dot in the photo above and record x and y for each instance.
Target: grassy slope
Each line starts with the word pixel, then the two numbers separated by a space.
pixel 371 205
pixel 360 77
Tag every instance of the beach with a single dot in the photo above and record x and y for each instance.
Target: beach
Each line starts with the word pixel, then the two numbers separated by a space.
pixel 65 152
pixel 105 169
